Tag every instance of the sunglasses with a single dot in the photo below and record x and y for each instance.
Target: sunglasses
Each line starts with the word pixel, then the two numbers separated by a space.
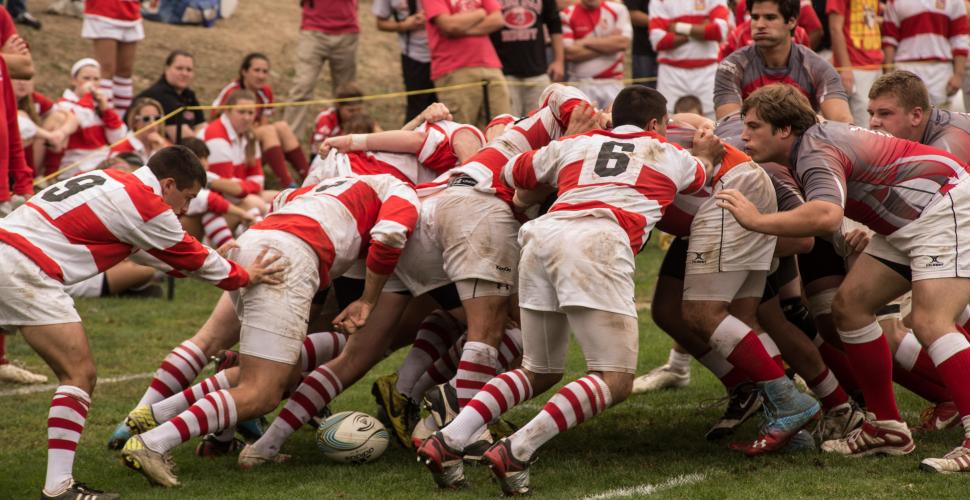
pixel 149 118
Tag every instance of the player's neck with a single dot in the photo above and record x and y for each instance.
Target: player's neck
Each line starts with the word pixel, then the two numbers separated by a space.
pixel 777 56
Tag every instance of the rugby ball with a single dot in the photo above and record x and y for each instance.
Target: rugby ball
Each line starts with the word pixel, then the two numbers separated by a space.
pixel 352 437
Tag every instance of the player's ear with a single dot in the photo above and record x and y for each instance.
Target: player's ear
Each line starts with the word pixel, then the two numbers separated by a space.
pixel 916 116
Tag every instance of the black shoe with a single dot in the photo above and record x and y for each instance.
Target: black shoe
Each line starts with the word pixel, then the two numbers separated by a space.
pixel 442 403
pixel 27 19
pixel 146 292
pixel 744 401
pixel 80 490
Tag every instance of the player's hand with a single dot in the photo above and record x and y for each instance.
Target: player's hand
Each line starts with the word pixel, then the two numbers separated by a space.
pixel 557 71
pixel 436 112
pixel 707 146
pixel 15 45
pixel 743 210
pixel 583 119
pixel 954 84
pixel 227 247
pixel 57 141
pixel 262 270
pixel 848 81
pixel 353 317
pixel 857 239
pixel 340 143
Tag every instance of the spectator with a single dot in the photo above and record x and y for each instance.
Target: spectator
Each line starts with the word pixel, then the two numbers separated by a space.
pixel 173 91
pixel 462 53
pixel 856 50
pixel 686 36
pixel 18 11
pixel 775 59
pixel 689 104
pixel 16 178
pixel 145 136
pixel 931 40
pixel 276 139
pixel 95 123
pixel 808 20
pixel 328 33
pixel 32 109
pixel 521 46
pixel 14 49
pixel 115 28
pixel 644 57
pixel 596 35
pixel 741 36
pixel 330 122
pixel 405 18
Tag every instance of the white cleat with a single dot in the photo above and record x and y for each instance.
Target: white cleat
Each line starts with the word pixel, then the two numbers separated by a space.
pixel 957 460
pixel 662 377
pixel 14 374
pixel 875 437
pixel 839 422
pixel 249 457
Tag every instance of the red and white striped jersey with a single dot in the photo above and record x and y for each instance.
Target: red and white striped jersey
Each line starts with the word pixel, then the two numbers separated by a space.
pixel 264 95
pixel 680 214
pixel 609 18
pixel 345 218
pixel 87 224
pixel 96 129
pixel 926 30
pixel 227 156
pixel 131 144
pixel 484 169
pixel 120 12
pixel 713 14
pixel 326 125
pixel 207 201
pixel 625 175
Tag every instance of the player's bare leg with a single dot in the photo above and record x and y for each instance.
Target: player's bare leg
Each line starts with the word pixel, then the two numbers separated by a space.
pixel 666 312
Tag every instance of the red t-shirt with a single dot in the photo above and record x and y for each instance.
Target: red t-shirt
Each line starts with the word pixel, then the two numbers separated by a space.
pixel 7 28
pixel 333 17
pixel 15 175
pixel 449 54
pixel 861 30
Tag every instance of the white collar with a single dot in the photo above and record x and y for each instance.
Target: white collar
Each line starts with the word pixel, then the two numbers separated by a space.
pixel 147 177
pixel 233 136
pixel 627 129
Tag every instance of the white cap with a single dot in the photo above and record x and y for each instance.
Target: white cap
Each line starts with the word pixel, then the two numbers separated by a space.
pixel 87 61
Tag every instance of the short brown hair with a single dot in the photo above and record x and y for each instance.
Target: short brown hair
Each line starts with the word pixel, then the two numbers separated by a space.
pixel 908 89
pixel 179 163
pixel 781 106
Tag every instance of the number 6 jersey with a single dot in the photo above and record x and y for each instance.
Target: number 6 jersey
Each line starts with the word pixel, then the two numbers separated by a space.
pixel 85 225
pixel 626 175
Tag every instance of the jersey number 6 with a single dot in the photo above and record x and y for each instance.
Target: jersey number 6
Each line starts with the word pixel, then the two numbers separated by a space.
pixel 608 153
pixel 72 187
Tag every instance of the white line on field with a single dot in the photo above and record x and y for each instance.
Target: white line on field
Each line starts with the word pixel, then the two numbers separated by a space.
pixel 20 391
pixel 650 489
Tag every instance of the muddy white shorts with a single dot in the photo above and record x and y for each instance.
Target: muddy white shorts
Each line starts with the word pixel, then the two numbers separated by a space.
pixel 462 234
pixel 717 242
pixel 96 27
pixel 91 287
pixel 274 317
pixel 937 244
pixel 28 296
pixel 570 260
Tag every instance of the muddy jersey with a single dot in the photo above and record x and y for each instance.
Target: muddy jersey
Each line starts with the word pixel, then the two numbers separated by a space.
pixel 880 180
pixel 744 71
pixel 949 131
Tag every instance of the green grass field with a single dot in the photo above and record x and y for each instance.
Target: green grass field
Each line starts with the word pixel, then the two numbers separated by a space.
pixel 652 445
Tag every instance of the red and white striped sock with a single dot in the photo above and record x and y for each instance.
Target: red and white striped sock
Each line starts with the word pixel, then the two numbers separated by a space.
pixel 168 408
pixel 319 348
pixel 213 413
pixel 951 353
pixel 836 360
pixel 576 402
pixel 315 392
pixel 872 363
pixel 727 373
pixel 476 368
pixel 510 350
pixel 122 93
pixel 441 371
pixel 216 229
pixel 65 422
pixel 436 334
pixel 741 347
pixel 772 349
pixel 498 396
pixel 178 371
pixel 827 389
pixel 911 356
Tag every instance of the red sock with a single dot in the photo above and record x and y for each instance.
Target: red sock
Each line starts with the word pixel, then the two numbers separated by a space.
pixel 872 364
pixel 3 349
pixel 749 355
pixel 274 157
pixel 839 364
pixel 934 393
pixel 925 368
pixel 733 378
pixel 296 158
pixel 951 353
pixel 827 389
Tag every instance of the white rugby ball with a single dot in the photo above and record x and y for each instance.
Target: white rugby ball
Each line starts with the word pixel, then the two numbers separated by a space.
pixel 352 437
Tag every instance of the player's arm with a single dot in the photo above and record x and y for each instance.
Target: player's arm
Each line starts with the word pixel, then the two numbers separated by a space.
pixel 840 49
pixel 577 52
pixel 727 88
pixel 814 218
pixel 490 24
pixel 890 37
pixel 435 112
pixel 837 110
pixel 788 246
pixel 17 57
pixel 608 44
pixel 457 25
pixel 393 141
pixel 661 36
pixel 714 29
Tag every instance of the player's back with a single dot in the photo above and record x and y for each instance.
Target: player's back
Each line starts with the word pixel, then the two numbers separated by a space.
pixel 949 131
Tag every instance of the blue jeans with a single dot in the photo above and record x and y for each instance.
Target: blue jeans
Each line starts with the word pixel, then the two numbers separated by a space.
pixel 16 7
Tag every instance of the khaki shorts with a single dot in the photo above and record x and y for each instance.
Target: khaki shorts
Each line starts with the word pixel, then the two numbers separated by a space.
pixel 937 244
pixel 717 242
pixel 274 317
pixel 462 234
pixel 576 261
pixel 28 296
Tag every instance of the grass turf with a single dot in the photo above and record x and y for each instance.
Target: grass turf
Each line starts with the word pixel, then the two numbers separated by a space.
pixel 650 445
